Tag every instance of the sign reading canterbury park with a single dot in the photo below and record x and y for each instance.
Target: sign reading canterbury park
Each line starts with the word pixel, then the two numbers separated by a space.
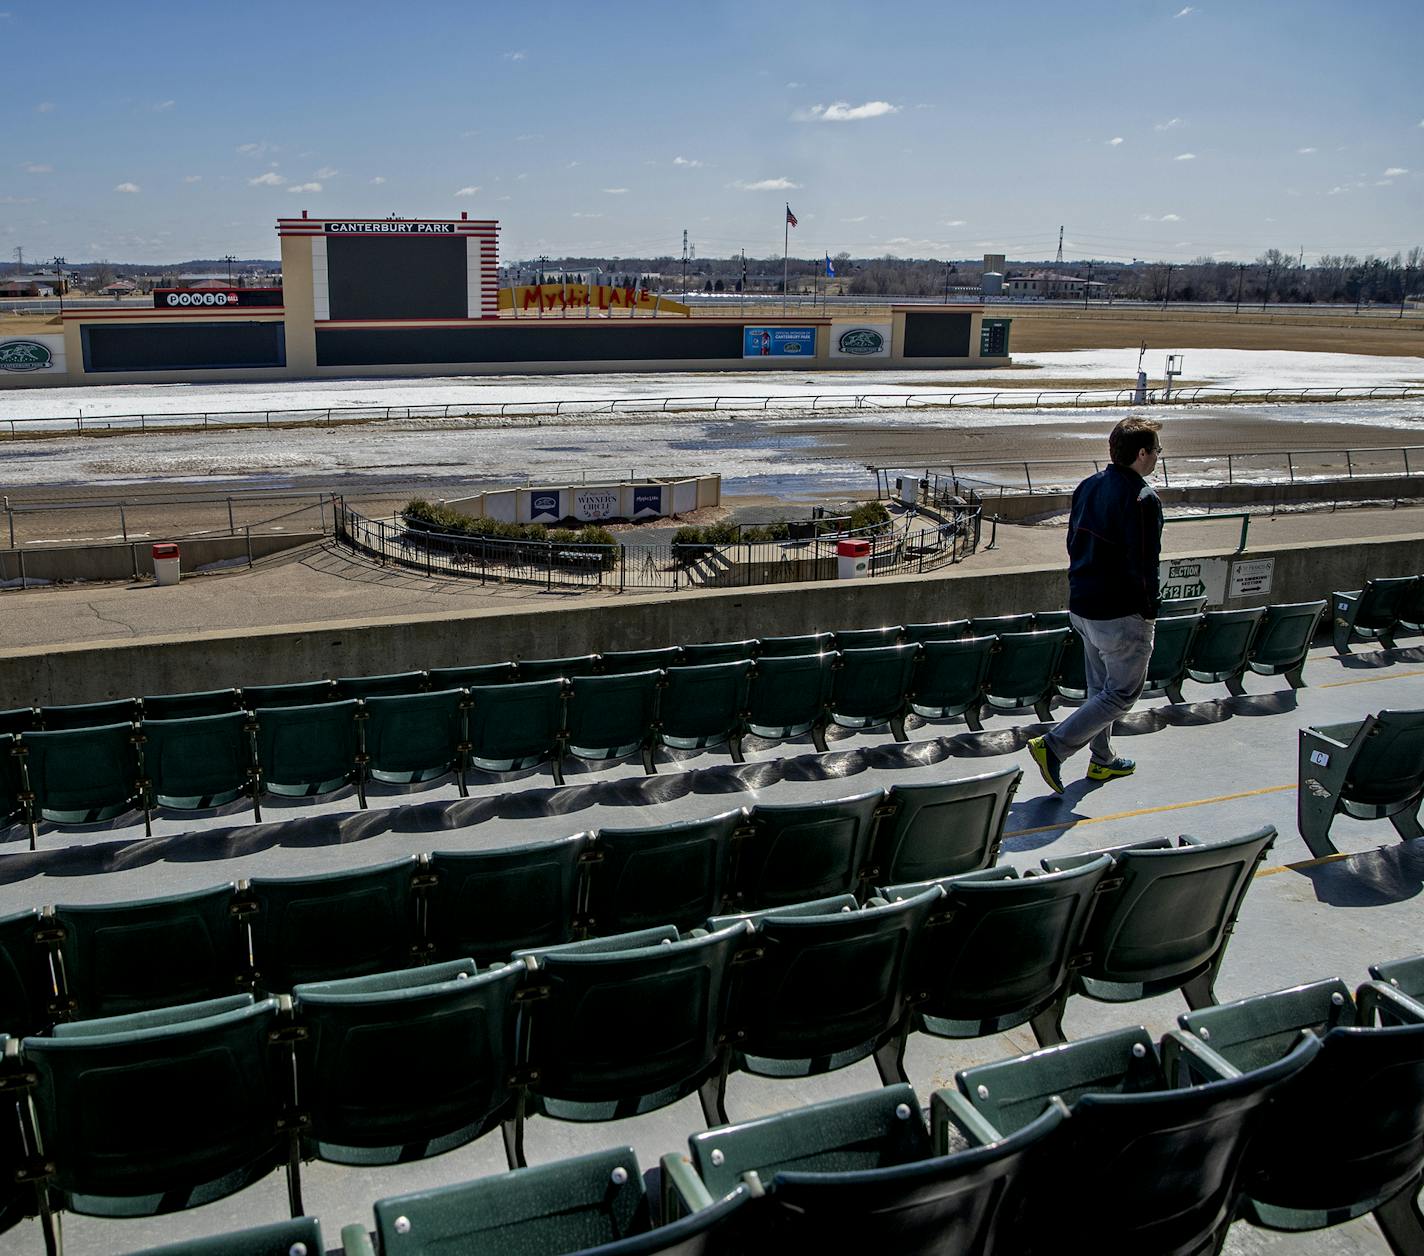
pixel 25 355
pixel 395 227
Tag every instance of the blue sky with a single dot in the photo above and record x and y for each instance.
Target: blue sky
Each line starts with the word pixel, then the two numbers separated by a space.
pixel 155 130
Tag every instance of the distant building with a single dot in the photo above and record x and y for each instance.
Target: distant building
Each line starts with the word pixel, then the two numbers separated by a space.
pixel 1051 286
pixel 119 288
pixel 39 283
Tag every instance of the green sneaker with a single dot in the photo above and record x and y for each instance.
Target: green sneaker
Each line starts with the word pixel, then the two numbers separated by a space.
pixel 1048 764
pixel 1111 771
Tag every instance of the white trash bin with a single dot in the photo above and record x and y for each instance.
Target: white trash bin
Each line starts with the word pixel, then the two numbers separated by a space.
pixel 167 562
pixel 852 559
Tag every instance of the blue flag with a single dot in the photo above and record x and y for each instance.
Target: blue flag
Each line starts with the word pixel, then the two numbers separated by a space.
pixel 830 270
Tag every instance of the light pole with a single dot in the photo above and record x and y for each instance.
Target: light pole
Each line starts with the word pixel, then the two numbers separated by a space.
pixel 1266 292
pixel 59 265
pixel 229 259
pixel 1240 278
pixel 1167 288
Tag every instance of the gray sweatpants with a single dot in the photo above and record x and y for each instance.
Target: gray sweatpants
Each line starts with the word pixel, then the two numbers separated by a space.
pixel 1115 653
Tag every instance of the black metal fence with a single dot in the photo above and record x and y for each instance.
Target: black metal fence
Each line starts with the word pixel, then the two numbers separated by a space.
pixel 914 542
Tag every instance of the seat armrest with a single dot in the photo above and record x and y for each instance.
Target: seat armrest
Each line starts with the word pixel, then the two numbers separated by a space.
pixel 1188 1061
pixel 1338 736
pixel 683 1192
pixel 952 1112
pixel 1380 1003
pixel 356 1241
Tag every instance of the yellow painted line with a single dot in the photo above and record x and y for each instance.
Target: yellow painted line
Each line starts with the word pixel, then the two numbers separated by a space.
pixel 1367 680
pixel 1304 864
pixel 1149 811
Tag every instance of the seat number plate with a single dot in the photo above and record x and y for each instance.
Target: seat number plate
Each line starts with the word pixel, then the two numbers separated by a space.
pixel 1320 758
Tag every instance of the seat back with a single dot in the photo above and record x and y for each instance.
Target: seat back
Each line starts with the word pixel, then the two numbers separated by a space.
pixel 82 775
pixel 622 1029
pixel 1411 607
pixel 303 750
pixel 19 720
pixel 1169 913
pixel 413 737
pixel 809 643
pixel 1025 666
pixel 1223 644
pixel 553 669
pixel 790 694
pixel 1390 764
pixel 332 925
pixel 703 653
pixel 153 1120
pixel 134 956
pixel 487 904
pixel 1284 638
pixel 187 706
pixel 394 684
pixel 1172 606
pixel 611 716
pixel 664 874
pixel 1072 679
pixel 868 638
pixel 939 829
pixel 946 630
pixel 196 761
pixel 453 1029
pixel 796 852
pixel 614 662
pixel 515 726
pixel 704 703
pixel 89 714
pixel 1381 601
pixel 470 677
pixel 872 683
pixel 998 949
pixel 301 693
pixel 1051 619
pixel 301 1236
pixel 995 625
pixel 1171 645
pixel 27 977
pixel 950 676
pixel 10 785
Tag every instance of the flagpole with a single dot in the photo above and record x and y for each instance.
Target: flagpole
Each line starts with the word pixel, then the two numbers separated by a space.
pixel 785 260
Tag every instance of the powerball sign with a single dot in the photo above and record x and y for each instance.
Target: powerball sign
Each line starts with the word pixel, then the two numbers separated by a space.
pixel 778 342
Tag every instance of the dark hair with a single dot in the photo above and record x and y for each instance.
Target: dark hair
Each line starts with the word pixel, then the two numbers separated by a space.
pixel 1131 437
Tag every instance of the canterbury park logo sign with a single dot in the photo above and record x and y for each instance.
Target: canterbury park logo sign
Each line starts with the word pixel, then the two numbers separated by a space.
pixel 24 355
pixel 861 342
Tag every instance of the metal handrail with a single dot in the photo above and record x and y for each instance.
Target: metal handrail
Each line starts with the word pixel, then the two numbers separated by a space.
pixel 1242 515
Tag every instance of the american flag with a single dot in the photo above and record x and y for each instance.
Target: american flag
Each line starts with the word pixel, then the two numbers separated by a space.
pixel 790 217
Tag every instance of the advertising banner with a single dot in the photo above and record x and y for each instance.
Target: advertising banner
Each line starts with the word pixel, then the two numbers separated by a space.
pixel 181 298
pixel 389 226
pixel 861 340
pixel 778 342
pixel 591 504
pixel 647 500
pixel 24 355
pixel 544 505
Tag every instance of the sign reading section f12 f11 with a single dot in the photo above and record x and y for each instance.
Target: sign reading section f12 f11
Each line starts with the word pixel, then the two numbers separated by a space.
pixel 778 342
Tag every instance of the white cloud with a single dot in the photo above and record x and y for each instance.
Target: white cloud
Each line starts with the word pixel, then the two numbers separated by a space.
pixel 468 191
pixel 953 222
pixel 616 191
pixel 126 187
pixel 857 218
pixel 1159 218
pixel 380 178
pixel 326 172
pixel 305 187
pixel 31 167
pixel 255 149
pixel 520 55
pixel 1168 125
pixel 45 106
pixel 793 86
pixel 1185 11
pixel 1115 141
pixel 766 185
pixel 844 111
pixel 163 106
pixel 192 178
pixel 16 200
pixel 1304 151
pixel 1338 190
pixel 1384 183
pixel 689 162
pixel 268 180
pixel 580 214
pixel 1394 170
pixel 1185 157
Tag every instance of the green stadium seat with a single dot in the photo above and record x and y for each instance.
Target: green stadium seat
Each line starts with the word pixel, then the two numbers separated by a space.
pixel 1284 640
pixel 790 696
pixel 517 726
pixel 301 693
pixel 12 805
pixel 395 685
pixel 1372 769
pixel 19 720
pixel 487 904
pixel 819 986
pixel 615 1027
pixel 704 705
pixel 198 762
pixel 28 994
pixel 673 874
pixel 1045 620
pixel 797 852
pixel 1024 670
pixel 1347 1137
pixel 860 1174
pixel 472 677
pixel 999 950
pixel 18 1197
pixel 941 828
pixel 89 714
pixel 872 686
pixel 301 1236
pixel 1141 1165
pixel 402 1066
pixel 615 662
pixel 80 776
pixel 162 1118
pixel 808 643
pixel 705 653
pixel 187 706
pixel 1170 606
pixel 1162 921
pixel 1411 609
pixel 611 717
pixel 415 737
pixel 1171 647
pixel 302 751
pixel 947 630
pixel 135 956
pixel 949 679
pixel 997 625
pixel 1371 613
pixel 1222 646
pixel 555 669
pixel 330 926
pixel 868 638
pixel 594 1204
pixel 1072 682
pixel 1397 991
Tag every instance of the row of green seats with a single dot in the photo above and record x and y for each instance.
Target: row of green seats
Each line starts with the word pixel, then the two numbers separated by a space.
pixel 1377 612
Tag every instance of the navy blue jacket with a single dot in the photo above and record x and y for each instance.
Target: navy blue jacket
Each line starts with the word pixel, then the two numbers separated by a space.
pixel 1114 541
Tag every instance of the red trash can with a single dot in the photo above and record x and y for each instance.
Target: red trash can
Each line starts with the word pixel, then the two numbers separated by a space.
pixel 853 559
pixel 167 561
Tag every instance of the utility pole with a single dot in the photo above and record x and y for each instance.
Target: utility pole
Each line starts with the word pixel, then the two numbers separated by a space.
pixel 59 280
pixel 742 287
pixel 1167 287
pixel 1240 279
pixel 1404 291
pixel 229 259
pixel 1087 285
pixel 1058 262
pixel 1266 294
pixel 684 264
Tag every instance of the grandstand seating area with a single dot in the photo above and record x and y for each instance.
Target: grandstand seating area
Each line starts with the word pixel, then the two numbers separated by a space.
pixel 416 946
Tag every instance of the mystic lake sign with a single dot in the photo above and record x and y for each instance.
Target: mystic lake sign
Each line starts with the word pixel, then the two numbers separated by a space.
pixel 25 355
